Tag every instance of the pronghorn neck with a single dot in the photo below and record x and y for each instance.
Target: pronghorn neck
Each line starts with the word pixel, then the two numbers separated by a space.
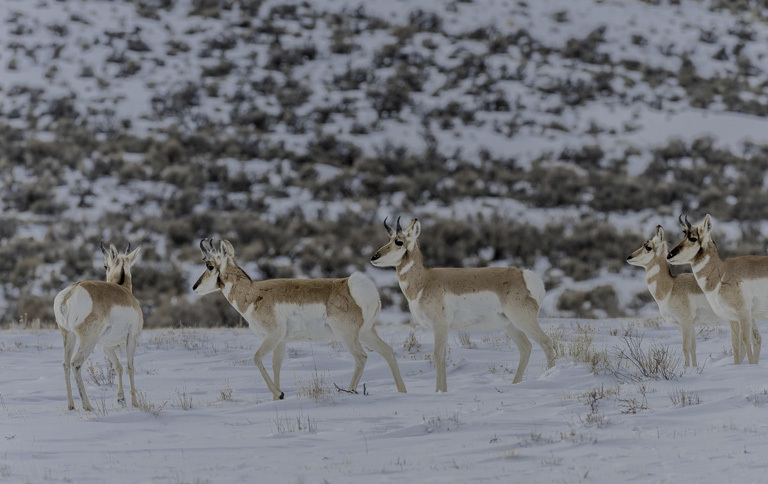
pixel 125 279
pixel 708 268
pixel 659 278
pixel 411 272
pixel 234 276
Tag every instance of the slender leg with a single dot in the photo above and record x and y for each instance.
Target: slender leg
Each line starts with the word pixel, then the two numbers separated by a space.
pixel 524 348
pixel 371 339
pixel 757 341
pixel 351 342
pixel 689 342
pixel 110 352
pixel 70 339
pixel 267 346
pixel 736 343
pixel 277 361
pixel 746 323
pixel 441 343
pixel 130 351
pixel 83 351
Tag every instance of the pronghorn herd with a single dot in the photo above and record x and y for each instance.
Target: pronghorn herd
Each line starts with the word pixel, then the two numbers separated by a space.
pixel 443 299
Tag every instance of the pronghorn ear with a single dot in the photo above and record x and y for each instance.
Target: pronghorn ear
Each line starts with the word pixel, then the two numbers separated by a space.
pixel 660 233
pixel 131 257
pixel 706 226
pixel 226 249
pixel 112 251
pixel 414 230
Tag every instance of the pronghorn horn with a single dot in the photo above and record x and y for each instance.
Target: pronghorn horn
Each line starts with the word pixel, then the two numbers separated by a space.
pixel 687 223
pixel 680 220
pixel 389 229
pixel 399 229
pixel 211 248
pixel 103 250
pixel 128 249
pixel 202 247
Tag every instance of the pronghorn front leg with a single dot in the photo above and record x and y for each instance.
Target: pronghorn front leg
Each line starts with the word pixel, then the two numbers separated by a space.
pixel 277 361
pixel 110 352
pixel 746 323
pixel 267 346
pixel 441 343
pixel 736 342
pixel 689 342
pixel 757 341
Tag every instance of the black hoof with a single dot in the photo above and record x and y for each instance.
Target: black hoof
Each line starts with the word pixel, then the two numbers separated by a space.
pixel 121 401
pixel 282 396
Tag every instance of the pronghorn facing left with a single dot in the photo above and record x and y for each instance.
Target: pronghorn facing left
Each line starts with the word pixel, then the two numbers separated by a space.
pixel 736 288
pixel 473 299
pixel 281 310
pixel 680 299
pixel 103 313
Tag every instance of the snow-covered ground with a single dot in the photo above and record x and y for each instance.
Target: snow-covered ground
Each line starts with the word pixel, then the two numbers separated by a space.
pixel 216 421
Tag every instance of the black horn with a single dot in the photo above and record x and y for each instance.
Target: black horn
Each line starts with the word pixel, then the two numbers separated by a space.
pixel 103 250
pixel 389 229
pixel 399 229
pixel 128 250
pixel 687 223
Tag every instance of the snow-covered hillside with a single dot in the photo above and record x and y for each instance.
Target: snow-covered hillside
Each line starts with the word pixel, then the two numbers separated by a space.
pixel 552 135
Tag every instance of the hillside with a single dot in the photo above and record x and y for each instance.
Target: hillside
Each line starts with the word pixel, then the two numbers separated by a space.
pixel 552 135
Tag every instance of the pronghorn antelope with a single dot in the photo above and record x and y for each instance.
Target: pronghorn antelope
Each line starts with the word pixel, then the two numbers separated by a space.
pixel 681 301
pixel 736 288
pixel 473 299
pixel 103 313
pixel 281 310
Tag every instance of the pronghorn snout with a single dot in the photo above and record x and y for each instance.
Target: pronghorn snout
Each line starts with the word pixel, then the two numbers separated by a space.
pixel 376 255
pixel 672 253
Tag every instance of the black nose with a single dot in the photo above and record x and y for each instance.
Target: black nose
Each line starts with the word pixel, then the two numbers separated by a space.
pixel 375 256
pixel 629 257
pixel 194 286
pixel 672 253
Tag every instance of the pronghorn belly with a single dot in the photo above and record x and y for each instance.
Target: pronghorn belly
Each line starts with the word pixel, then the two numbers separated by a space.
pixel 305 322
pixel 122 321
pixel 477 311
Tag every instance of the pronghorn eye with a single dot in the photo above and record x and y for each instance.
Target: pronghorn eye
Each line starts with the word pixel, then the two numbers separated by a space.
pixel 209 266
pixel 398 243
pixel 648 248
pixel 692 239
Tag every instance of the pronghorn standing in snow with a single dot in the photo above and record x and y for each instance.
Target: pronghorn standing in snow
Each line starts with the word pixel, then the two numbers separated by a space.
pixel 103 313
pixel 736 288
pixel 473 299
pixel 281 310
pixel 681 301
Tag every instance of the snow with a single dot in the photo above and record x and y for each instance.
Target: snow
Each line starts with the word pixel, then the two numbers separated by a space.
pixel 546 429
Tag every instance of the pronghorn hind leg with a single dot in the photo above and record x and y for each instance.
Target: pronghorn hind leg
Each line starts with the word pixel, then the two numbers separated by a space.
pixel 757 341
pixel 524 348
pixel 528 323
pixel 267 346
pixel 70 339
pixel 353 345
pixel 371 339
pixel 87 344
pixel 277 361
pixel 110 352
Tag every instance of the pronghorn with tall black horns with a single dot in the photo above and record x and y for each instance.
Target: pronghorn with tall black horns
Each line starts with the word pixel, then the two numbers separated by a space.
pixel 480 299
pixel 736 288
pixel 281 310
pixel 103 313
pixel 680 299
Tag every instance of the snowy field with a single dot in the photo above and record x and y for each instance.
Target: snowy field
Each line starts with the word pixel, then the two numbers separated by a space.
pixel 208 416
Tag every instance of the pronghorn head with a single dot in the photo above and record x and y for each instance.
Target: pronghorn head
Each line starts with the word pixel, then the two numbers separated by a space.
pixel 118 265
pixel 697 237
pixel 652 250
pixel 216 262
pixel 400 242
